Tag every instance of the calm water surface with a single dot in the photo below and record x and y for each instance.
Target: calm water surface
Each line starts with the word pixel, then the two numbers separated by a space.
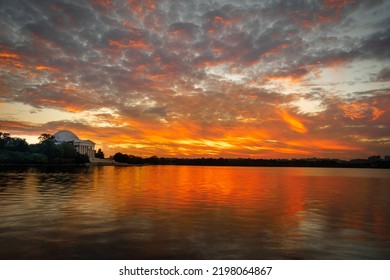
pixel 189 212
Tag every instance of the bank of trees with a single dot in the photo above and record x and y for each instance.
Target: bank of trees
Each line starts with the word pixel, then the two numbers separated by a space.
pixel 129 159
pixel 99 154
pixel 17 150
pixel 154 160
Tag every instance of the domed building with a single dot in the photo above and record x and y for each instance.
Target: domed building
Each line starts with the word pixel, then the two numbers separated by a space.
pixel 84 147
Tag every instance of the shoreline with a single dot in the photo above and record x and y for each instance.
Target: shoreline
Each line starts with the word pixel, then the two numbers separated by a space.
pixel 67 164
pixel 186 164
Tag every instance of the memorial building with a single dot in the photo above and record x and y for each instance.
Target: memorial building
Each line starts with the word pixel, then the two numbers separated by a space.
pixel 84 147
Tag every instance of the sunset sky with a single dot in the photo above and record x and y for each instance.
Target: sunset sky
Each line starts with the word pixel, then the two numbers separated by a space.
pixel 204 78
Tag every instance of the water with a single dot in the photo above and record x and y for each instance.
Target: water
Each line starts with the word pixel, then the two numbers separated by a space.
pixel 191 212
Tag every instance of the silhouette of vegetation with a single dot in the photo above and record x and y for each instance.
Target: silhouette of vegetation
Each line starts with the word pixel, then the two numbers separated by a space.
pixel 129 159
pixel 79 159
pixel 309 162
pixel 99 154
pixel 18 151
pixel 13 143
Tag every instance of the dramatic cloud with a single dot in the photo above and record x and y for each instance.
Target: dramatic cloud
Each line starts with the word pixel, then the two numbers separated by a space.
pixel 200 78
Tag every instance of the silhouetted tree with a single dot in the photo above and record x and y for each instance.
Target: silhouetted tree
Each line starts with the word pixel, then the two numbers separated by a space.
pixel 152 160
pixel 99 154
pixel 68 150
pixel 17 150
pixel 4 138
pixel 13 143
pixel 130 159
pixel 79 159
pixel 45 137
pixel 48 147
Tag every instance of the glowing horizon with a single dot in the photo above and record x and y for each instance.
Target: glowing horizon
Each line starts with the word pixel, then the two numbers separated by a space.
pixel 203 78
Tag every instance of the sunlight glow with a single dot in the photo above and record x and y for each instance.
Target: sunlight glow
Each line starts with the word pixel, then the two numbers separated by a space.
pixel 294 123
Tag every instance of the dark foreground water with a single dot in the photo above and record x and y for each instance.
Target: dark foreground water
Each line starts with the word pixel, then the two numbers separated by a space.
pixel 188 212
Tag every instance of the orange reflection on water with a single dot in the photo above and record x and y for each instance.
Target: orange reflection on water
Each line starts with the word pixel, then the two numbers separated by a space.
pixel 196 212
pixel 282 195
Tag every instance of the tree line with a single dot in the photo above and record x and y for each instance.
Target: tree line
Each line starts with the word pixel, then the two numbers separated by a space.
pixel 154 160
pixel 14 150
pixel 17 150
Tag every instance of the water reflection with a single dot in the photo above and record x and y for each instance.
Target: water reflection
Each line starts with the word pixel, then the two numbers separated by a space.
pixel 187 212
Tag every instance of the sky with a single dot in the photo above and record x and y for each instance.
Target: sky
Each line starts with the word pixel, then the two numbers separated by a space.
pixel 205 78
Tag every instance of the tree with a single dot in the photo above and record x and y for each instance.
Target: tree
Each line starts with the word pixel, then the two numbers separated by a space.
pixel 48 147
pixel 16 150
pixel 130 159
pixel 4 138
pixel 68 151
pixel 18 144
pixel 99 154
pixel 45 137
pixel 81 158
pixel 13 143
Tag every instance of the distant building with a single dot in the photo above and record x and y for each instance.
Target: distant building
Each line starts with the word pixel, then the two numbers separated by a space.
pixel 387 158
pixel 359 161
pixel 373 159
pixel 84 147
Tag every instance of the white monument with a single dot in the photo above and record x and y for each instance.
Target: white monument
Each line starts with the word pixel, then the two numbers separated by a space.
pixel 84 147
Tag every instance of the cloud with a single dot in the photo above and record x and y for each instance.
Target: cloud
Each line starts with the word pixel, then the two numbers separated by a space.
pixel 293 122
pixel 375 45
pixel 220 77
pixel 383 75
pixel 360 110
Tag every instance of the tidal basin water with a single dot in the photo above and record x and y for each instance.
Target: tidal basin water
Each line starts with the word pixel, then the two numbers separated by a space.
pixel 191 212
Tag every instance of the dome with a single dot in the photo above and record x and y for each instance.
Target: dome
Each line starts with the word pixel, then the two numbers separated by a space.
pixel 65 136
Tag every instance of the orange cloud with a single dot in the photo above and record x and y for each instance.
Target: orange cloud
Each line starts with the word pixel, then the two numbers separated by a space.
pixel 181 138
pixel 9 55
pixel 294 123
pixel 127 43
pixel 11 60
pixel 376 113
pixel 61 104
pixel 14 125
pixel 140 7
pixel 221 20
pixel 277 49
pixel 294 76
pixel 47 68
pixel 336 61
pixel 331 14
pixel 104 3
pixel 321 144
pixel 360 110
pixel 187 138
pixel 130 24
pixel 337 4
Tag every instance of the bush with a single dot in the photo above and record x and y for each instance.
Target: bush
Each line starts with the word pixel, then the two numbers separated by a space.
pixel 79 159
pixel 130 159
